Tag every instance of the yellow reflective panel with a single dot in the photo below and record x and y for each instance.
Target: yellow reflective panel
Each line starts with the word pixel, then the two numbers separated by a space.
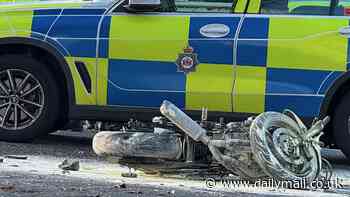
pixel 254 7
pixel 295 4
pixel 210 86
pixel 20 22
pixel 240 6
pixel 249 90
pixel 82 96
pixel 157 38
pixel 307 43
pixel 5 29
pixel 38 5
pixel 102 81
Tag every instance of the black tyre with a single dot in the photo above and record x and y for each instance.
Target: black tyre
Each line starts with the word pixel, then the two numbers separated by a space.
pixel 29 98
pixel 341 121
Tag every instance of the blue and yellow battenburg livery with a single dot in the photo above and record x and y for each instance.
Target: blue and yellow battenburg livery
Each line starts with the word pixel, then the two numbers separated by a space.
pixel 264 62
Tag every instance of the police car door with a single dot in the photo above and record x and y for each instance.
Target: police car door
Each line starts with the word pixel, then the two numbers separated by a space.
pixel 184 54
pixel 288 54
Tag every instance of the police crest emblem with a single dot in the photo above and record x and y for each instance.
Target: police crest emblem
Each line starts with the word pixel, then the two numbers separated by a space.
pixel 187 61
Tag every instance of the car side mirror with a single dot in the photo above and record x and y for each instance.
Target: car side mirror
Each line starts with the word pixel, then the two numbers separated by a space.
pixel 143 5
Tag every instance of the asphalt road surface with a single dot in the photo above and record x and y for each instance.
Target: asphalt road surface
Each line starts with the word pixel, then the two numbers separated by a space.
pixel 39 175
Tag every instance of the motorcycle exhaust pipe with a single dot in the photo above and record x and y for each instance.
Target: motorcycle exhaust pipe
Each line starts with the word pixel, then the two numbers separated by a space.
pixel 184 122
pixel 137 144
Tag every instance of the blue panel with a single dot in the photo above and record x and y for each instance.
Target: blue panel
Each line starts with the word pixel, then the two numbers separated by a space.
pixel 293 81
pixel 305 106
pixel 103 48
pixel 145 83
pixel 329 82
pixel 75 27
pixel 80 47
pixel 105 27
pixel 42 24
pixel 197 22
pixel 42 12
pixel 257 28
pixel 83 11
pixel 57 46
pixel 80 32
pixel 146 75
pixel 143 99
pixel 252 52
pixel 213 51
pixel 104 35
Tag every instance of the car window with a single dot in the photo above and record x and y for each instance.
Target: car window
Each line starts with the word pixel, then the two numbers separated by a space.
pixel 212 6
pixel 296 7
pixel 86 2
pixel 342 8
pixel 191 6
pixel 344 3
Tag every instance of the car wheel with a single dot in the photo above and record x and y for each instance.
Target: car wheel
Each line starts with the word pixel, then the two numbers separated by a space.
pixel 341 124
pixel 29 98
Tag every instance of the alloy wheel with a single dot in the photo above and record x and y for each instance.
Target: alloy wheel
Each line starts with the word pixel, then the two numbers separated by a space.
pixel 21 99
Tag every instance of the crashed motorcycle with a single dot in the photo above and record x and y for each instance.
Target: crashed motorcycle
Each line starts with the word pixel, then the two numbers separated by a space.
pixel 272 144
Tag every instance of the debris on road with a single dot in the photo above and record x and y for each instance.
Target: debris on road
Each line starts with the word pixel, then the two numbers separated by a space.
pixel 121 185
pixel 39 175
pixel 7 188
pixel 172 192
pixel 65 172
pixel 16 157
pixel 1 160
pixel 129 175
pixel 69 165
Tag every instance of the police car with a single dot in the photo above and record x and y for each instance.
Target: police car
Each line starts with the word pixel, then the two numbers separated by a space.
pixel 115 60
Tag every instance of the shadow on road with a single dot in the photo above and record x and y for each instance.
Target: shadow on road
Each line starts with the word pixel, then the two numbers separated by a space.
pixel 59 144
pixel 65 138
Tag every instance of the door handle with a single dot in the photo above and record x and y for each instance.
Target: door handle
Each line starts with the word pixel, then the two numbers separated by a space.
pixel 214 30
pixel 345 31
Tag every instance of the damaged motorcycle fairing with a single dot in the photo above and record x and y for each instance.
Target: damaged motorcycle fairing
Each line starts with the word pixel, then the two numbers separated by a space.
pixel 273 144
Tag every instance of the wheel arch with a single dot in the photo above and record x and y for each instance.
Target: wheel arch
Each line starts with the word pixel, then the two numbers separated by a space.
pixel 60 65
pixel 334 93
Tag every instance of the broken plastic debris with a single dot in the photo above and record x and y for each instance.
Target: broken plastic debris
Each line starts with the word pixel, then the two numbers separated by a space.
pixel 129 175
pixel 69 165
